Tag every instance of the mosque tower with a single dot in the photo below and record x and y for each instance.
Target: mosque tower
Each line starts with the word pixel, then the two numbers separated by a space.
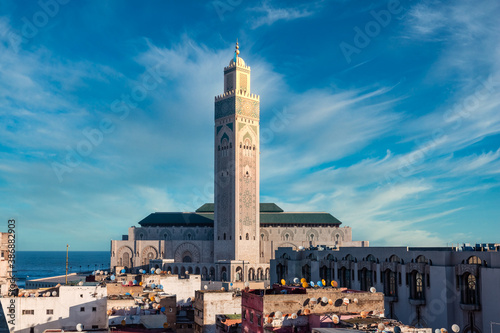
pixel 236 147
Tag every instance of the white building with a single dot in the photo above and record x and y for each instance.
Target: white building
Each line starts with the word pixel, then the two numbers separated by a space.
pixel 423 287
pixel 65 308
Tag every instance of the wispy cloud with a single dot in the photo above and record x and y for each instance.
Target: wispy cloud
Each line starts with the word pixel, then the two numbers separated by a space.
pixel 270 15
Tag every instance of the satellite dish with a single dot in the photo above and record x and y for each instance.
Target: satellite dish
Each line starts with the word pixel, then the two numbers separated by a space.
pixel 223 289
pixel 355 300
pixel 283 282
pixel 186 272
pixel 296 280
pixel 106 273
pixel 381 326
pixel 158 271
pixel 313 300
pixel 301 248
pixel 278 315
pixel 247 284
pixel 231 284
pixel 112 277
pixel 160 286
pixel 330 301
pixel 54 293
pixel 152 270
pixel 323 282
pixel 123 270
pixel 80 283
pixel 345 301
pixel 444 330
pixel 335 319
pixel 305 284
pixel 153 285
pixel 373 290
pixel 311 284
pixel 205 287
pixel 79 327
pixel 319 284
pixel 324 299
pixel 294 315
pixel 93 273
pixel 334 284
pixel 134 282
pixel 455 328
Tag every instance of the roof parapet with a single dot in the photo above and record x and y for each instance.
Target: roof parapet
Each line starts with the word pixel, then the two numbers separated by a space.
pixel 239 92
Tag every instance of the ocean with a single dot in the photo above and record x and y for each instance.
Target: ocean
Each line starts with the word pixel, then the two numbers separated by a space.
pixel 39 264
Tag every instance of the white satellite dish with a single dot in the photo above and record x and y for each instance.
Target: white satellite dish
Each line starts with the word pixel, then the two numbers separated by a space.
pixel 296 280
pixel 247 284
pixel 345 301
pixel 373 290
pixel 335 319
pixel 355 300
pixel 278 315
pixel 205 287
pixel 324 299
pixel 301 248
pixel 455 328
pixel 294 315
pixel 80 283
pixel 54 293
pixel 79 327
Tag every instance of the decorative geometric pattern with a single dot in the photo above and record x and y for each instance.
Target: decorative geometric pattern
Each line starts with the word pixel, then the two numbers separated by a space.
pixel 187 247
pixel 247 107
pixel 225 107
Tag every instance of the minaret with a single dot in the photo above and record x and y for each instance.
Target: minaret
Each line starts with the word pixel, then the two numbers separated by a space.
pixel 236 234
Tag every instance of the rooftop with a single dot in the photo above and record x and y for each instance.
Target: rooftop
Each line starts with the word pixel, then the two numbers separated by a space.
pixel 270 214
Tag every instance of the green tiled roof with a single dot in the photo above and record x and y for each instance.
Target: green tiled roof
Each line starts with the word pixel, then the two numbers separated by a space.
pixel 270 214
pixel 298 218
pixel 178 219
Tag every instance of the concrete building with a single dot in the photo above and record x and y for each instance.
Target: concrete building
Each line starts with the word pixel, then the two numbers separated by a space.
pixel 58 308
pixel 423 287
pixel 4 264
pixel 246 231
pixel 228 323
pixel 298 309
pixel 209 303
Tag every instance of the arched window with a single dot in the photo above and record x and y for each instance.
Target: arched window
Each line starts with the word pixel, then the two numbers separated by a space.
pixel 390 281
pixel 371 258
pixel 417 286
pixel 474 260
pixel 365 276
pixel 421 259
pixel 394 258
pixel 469 289
pixel 247 237
pixel 345 277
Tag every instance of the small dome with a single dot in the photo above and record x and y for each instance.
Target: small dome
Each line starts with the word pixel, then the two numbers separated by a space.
pixel 240 62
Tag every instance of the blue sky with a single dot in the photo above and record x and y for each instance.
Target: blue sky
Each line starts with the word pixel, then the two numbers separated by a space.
pixel 385 114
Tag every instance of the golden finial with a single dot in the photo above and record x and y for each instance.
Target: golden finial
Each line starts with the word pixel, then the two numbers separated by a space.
pixel 237 47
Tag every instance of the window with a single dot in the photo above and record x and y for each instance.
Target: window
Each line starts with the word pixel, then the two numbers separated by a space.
pixel 259 320
pixel 82 309
pixel 365 276
pixel 95 326
pixel 474 260
pixel 251 317
pixel 244 314
pixel 94 309
pixel 28 312
pixel 390 283
pixel 417 286
pixel 50 311
pixel 469 289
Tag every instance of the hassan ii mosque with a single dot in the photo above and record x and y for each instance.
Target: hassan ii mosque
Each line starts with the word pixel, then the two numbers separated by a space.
pixel 234 238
